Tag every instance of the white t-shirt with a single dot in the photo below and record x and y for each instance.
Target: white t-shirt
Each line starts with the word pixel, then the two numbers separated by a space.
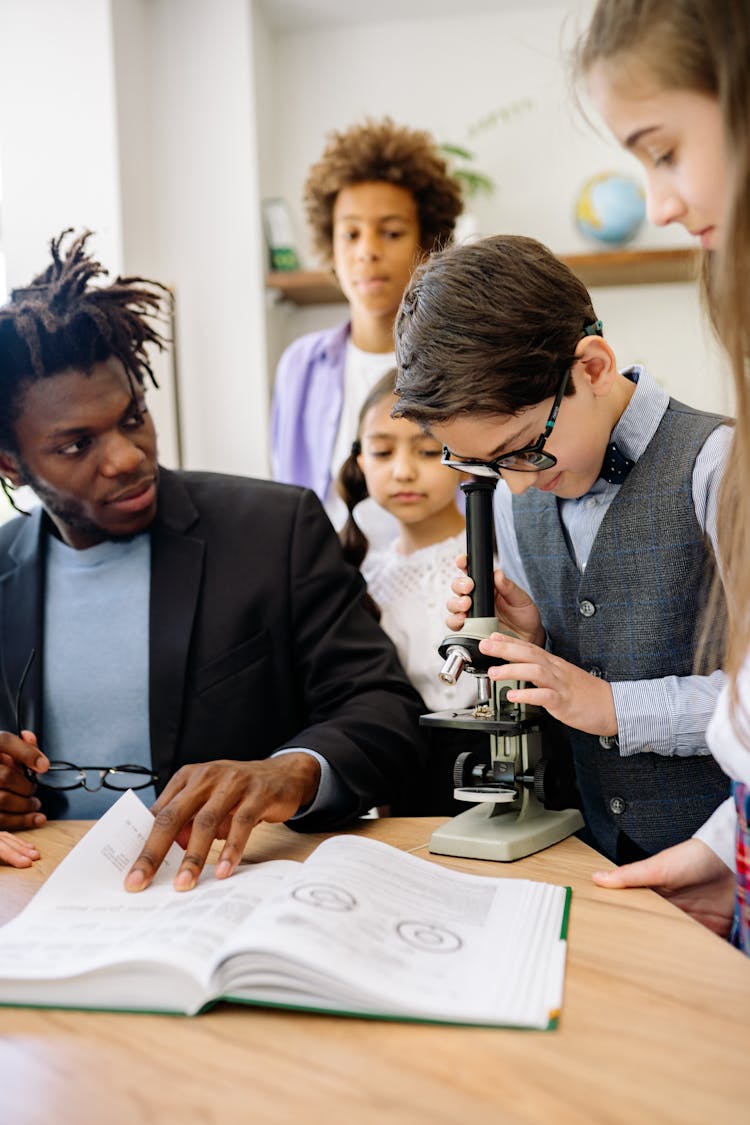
pixel 411 591
pixel 734 758
pixel 362 370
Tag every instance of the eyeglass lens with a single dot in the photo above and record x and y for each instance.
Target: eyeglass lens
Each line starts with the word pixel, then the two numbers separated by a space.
pixel 527 462
pixel 66 775
pixel 520 463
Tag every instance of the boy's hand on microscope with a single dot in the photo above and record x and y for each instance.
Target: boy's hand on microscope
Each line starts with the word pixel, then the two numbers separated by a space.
pixel 571 695
pixel 514 607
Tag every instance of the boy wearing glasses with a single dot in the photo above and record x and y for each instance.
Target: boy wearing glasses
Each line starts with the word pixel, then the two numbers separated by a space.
pixel 605 521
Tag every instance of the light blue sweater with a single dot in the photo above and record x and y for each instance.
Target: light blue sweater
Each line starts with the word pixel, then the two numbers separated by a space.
pixel 96 662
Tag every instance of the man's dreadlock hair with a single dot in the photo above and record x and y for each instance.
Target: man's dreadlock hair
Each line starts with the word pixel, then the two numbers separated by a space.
pixel 62 321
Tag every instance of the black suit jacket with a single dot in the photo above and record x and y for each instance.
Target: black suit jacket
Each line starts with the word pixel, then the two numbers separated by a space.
pixel 258 639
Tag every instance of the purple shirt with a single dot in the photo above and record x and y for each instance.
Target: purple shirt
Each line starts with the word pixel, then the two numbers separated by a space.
pixel 307 401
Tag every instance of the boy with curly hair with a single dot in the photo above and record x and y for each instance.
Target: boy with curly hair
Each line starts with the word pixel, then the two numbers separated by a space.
pixel 378 200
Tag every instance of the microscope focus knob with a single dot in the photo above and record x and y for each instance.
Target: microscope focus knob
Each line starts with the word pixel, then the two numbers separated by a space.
pixel 540 770
pixel 555 785
pixel 470 769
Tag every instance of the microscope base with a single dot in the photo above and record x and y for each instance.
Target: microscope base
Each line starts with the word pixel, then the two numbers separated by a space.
pixel 489 831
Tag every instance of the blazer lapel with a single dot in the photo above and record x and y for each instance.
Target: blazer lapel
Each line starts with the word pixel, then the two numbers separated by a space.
pixel 21 622
pixel 176 575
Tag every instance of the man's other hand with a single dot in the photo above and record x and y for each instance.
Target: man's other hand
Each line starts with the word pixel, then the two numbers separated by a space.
pixel 20 759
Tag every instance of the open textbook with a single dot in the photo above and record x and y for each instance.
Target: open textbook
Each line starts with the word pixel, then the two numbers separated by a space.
pixel 358 928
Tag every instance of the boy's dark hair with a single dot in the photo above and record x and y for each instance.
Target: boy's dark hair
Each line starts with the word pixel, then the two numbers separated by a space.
pixel 489 327
pixel 383 152
pixel 62 320
pixel 352 486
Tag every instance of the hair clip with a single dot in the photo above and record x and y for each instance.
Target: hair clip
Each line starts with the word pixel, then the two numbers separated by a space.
pixel 594 329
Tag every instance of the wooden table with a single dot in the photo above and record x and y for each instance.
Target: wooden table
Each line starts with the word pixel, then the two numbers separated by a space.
pixel 655 1029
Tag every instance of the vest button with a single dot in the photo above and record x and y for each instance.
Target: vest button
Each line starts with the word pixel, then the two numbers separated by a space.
pixel 617 805
pixel 586 608
pixel 594 671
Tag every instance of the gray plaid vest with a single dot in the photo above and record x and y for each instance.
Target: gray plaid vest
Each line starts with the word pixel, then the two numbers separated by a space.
pixel 632 616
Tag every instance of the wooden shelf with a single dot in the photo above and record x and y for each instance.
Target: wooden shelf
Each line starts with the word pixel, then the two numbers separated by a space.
pixel 634 267
pixel 604 267
pixel 305 287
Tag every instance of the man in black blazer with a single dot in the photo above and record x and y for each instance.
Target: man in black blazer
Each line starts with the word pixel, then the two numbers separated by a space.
pixel 222 621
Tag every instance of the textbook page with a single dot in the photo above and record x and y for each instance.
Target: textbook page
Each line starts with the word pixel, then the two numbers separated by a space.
pixel 84 940
pixel 359 927
pixel 367 928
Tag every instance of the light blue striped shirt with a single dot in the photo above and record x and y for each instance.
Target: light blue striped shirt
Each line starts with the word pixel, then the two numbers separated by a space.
pixel 667 716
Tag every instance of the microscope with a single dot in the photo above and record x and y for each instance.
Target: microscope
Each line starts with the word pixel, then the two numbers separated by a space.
pixel 508 791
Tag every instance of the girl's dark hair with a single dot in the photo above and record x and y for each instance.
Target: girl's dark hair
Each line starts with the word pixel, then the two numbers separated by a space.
pixel 352 486
pixel 488 327
pixel 63 320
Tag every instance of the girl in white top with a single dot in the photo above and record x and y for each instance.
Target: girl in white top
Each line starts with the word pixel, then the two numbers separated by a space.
pixel 672 83
pixel 398 466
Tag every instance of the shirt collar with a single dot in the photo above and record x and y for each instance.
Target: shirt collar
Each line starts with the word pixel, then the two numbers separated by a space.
pixel 640 419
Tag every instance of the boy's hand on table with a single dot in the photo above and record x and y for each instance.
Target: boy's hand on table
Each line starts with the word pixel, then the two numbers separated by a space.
pixel 571 695
pixel 221 801
pixel 690 875
pixel 514 608
pixel 20 759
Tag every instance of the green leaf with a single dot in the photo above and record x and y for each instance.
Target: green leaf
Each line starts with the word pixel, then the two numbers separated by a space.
pixel 457 150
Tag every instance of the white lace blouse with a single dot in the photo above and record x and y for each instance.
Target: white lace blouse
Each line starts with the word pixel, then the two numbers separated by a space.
pixel 411 591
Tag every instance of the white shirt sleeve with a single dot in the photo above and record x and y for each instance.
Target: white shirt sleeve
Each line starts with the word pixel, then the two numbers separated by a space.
pixel 733 755
pixel 719 833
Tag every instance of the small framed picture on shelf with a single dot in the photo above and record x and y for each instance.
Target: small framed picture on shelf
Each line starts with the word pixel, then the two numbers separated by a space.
pixel 277 224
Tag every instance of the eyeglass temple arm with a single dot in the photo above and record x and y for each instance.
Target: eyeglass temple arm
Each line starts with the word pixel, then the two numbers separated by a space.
pixel 19 695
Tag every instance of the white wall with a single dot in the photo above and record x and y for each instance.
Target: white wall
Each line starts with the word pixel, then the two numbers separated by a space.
pixel 208 219
pixel 58 142
pixel 132 68
pixel 136 118
pixel 188 138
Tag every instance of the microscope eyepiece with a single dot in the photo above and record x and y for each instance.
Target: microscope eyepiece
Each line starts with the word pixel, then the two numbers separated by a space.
pixel 456 659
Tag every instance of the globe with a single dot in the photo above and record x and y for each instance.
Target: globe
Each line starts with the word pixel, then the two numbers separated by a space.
pixel 610 209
